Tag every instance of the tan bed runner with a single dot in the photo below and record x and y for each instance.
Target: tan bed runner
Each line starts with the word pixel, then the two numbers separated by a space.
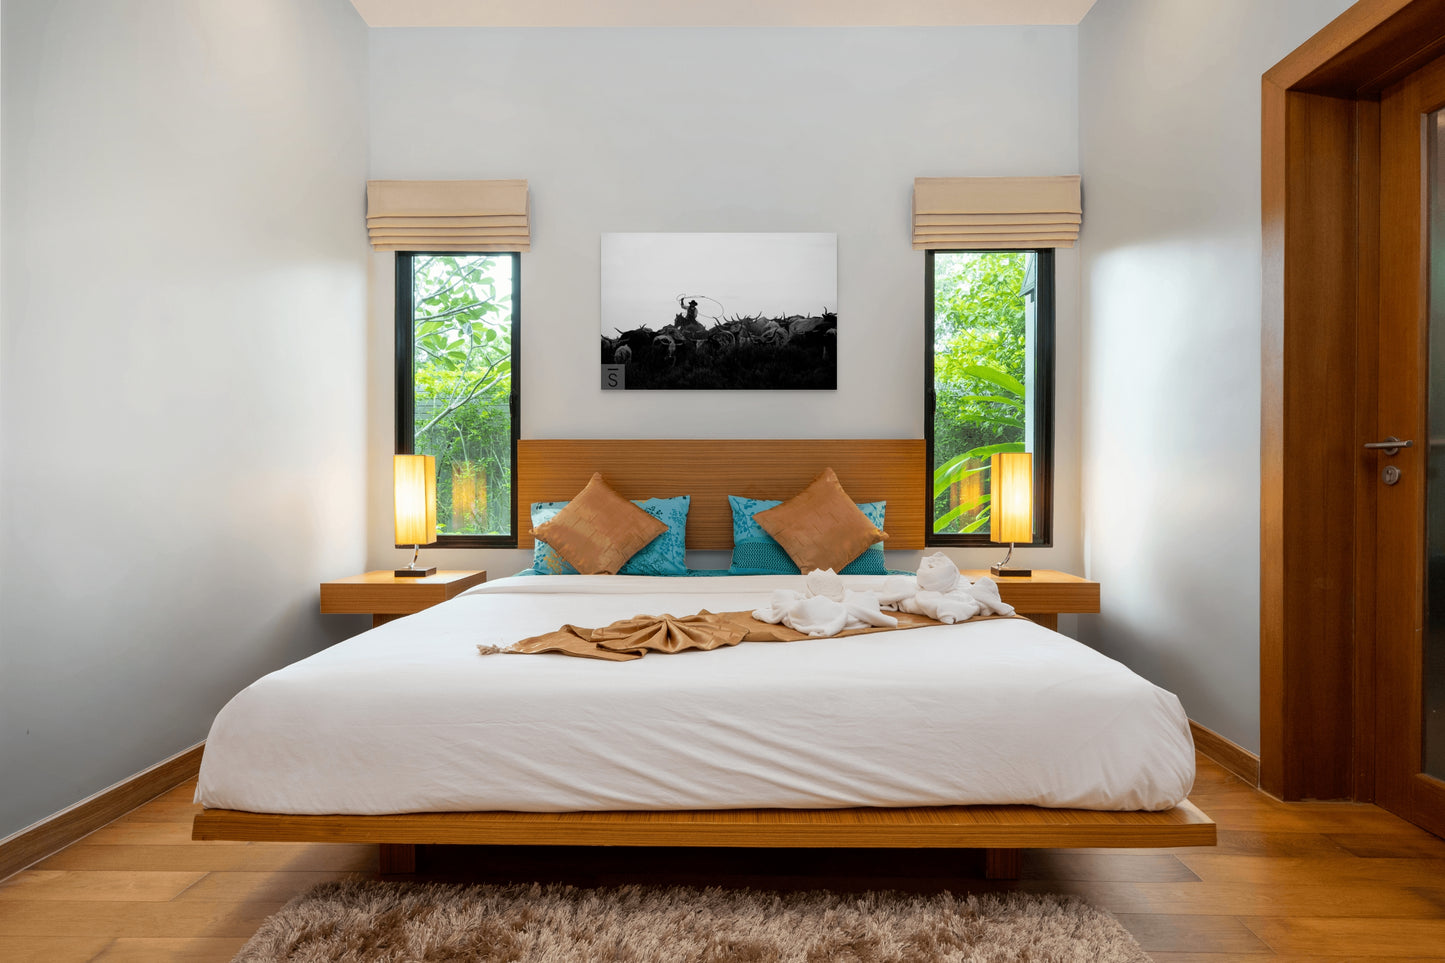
pixel 632 638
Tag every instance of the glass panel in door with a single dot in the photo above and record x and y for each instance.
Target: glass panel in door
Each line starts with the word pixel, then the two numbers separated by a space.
pixel 1433 664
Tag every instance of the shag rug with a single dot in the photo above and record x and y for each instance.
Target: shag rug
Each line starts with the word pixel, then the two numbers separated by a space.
pixel 382 922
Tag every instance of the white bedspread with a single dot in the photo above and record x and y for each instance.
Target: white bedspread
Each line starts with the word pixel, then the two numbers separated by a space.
pixel 409 718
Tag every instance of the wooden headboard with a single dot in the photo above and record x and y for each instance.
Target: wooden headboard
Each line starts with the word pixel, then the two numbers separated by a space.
pixel 551 470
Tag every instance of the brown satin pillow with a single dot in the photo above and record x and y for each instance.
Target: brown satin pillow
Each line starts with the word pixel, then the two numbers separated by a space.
pixel 820 527
pixel 599 530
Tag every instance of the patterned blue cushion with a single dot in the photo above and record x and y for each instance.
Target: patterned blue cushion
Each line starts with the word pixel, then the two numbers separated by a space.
pixel 755 552
pixel 545 560
pixel 664 555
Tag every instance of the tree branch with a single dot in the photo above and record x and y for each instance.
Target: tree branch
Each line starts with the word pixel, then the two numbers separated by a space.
pixel 457 403
pixel 454 311
pixel 466 276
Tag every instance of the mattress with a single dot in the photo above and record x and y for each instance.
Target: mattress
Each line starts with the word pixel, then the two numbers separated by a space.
pixel 408 717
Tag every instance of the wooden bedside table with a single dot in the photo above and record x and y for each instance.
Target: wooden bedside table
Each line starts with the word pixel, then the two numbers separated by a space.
pixel 384 597
pixel 1042 596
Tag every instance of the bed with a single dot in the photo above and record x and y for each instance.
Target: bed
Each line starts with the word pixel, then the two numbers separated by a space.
pixel 996 735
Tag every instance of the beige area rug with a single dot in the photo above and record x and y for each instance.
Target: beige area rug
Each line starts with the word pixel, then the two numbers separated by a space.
pixel 379 922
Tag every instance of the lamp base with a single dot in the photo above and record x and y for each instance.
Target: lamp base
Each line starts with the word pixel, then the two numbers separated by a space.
pixel 1000 571
pixel 414 572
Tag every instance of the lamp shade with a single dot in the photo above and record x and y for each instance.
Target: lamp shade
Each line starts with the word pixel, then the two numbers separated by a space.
pixel 1011 511
pixel 415 480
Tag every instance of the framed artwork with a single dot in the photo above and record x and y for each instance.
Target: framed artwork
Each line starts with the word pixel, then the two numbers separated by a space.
pixel 719 311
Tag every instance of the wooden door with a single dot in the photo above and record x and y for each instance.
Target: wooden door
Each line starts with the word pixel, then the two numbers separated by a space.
pixel 1410 481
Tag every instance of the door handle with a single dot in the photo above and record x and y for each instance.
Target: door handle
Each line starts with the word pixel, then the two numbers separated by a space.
pixel 1390 446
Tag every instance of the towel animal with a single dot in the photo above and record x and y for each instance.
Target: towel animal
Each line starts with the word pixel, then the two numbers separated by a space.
pixel 824 607
pixel 941 592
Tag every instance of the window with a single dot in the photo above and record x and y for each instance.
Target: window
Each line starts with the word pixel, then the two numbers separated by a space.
pixel 456 387
pixel 990 377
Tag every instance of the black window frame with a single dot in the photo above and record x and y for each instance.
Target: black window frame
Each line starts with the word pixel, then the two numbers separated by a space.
pixel 1043 348
pixel 405 387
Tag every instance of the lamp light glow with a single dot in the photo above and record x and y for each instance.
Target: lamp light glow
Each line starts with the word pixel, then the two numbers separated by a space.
pixel 1011 506
pixel 414 480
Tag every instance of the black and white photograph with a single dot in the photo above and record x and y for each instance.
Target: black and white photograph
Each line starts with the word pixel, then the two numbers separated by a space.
pixel 708 311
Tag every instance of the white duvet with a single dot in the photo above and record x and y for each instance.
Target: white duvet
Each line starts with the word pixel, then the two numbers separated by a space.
pixel 410 718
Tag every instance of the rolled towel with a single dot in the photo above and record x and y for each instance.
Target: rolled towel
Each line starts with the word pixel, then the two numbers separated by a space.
pixel 824 582
pixel 937 573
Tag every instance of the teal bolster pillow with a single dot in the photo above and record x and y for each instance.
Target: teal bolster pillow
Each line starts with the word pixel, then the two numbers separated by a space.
pixel 664 555
pixel 755 552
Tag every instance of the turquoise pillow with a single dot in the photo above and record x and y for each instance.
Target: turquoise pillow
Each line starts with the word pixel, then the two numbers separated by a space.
pixel 755 552
pixel 664 555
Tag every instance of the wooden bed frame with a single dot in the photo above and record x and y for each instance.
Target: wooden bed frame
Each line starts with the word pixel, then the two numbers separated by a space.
pixel 709 471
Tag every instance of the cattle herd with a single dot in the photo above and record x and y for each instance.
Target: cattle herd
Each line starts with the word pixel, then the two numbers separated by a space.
pixel 799 351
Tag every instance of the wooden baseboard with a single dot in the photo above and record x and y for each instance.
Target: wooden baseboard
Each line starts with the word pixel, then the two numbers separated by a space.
pixel 1231 756
pixel 34 843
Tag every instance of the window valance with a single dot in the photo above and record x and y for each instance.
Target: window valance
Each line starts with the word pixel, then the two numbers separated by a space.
pixel 952 213
pixel 448 215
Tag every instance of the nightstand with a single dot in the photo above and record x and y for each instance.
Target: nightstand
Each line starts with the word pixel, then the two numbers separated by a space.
pixel 384 597
pixel 1041 597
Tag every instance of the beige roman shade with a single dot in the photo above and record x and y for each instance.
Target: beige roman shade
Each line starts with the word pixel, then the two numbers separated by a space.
pixel 448 215
pixel 995 212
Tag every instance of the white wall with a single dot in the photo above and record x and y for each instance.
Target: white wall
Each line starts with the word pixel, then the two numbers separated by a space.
pixel 1169 101
pixel 182 369
pixel 790 129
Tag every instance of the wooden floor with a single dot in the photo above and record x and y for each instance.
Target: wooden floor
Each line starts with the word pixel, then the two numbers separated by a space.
pixel 1288 882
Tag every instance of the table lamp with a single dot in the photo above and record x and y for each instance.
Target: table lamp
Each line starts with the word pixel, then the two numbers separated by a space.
pixel 414 478
pixel 1011 507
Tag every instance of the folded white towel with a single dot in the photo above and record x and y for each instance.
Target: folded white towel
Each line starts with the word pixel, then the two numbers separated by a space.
pixel 824 608
pixel 985 593
pixel 941 592
pixel 864 607
pixel 814 615
pixel 948 608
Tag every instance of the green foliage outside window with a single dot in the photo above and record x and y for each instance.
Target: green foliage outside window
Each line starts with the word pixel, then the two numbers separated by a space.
pixel 462 386
pixel 979 358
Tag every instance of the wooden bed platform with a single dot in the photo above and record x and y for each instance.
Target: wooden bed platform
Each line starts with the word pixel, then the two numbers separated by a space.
pixel 870 470
pixel 1001 830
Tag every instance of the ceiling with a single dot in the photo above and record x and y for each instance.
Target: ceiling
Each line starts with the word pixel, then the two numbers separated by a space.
pixel 717 13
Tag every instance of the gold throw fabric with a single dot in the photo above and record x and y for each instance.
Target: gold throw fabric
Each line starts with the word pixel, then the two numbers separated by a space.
pixel 668 633
pixel 448 215
pixel 996 213
pixel 632 638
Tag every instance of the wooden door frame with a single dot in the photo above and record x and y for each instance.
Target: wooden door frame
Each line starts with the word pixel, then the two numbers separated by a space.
pixel 1320 189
